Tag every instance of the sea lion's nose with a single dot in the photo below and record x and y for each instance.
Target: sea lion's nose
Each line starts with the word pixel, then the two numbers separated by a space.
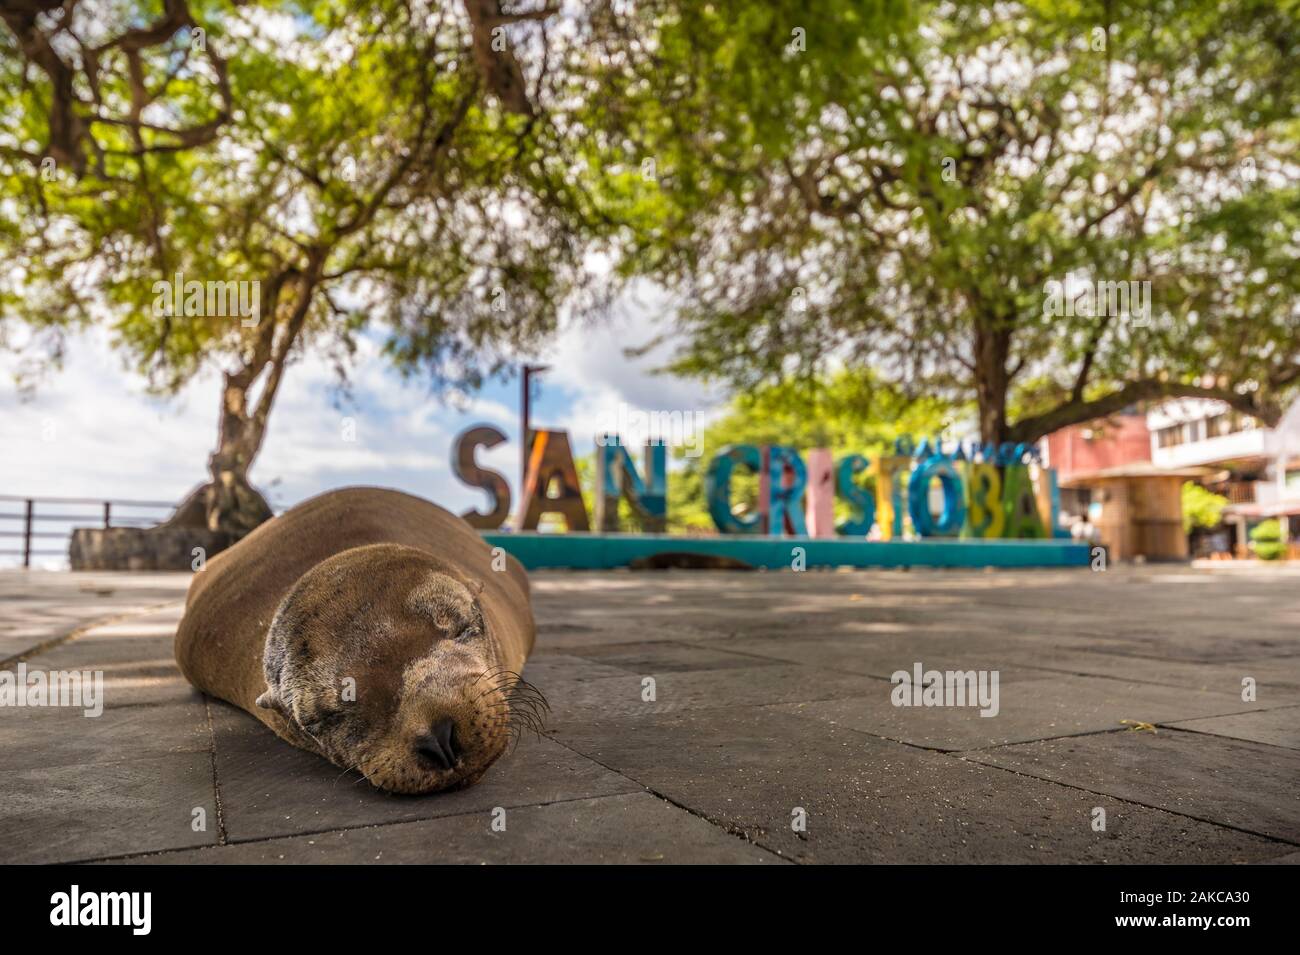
pixel 438 746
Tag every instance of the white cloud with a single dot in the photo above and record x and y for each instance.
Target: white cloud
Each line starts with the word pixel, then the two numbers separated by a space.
pixel 588 362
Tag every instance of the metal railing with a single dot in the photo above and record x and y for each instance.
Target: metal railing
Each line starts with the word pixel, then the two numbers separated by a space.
pixel 15 508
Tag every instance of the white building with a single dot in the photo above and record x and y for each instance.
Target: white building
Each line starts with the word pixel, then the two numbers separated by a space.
pixel 1195 433
pixel 1259 467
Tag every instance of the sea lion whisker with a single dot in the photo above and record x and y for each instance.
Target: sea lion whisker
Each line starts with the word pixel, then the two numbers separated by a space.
pixel 529 706
pixel 523 687
pixel 527 719
pixel 497 682
pixel 532 698
pixel 530 703
pixel 489 674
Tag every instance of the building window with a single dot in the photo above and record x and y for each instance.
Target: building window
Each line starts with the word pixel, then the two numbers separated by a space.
pixel 1172 436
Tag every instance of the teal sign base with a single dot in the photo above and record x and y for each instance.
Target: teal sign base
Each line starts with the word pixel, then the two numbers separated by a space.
pixel 607 551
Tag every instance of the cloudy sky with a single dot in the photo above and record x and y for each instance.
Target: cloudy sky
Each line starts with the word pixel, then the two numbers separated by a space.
pixel 91 430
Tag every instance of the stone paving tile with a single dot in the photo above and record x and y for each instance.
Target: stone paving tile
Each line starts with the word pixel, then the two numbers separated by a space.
pixel 1029 709
pixel 855 627
pixel 562 669
pixel 566 638
pixel 1235 783
pixel 635 828
pixel 269 788
pixel 160 623
pixel 41 606
pixel 150 678
pixel 28 630
pixel 62 736
pixel 136 657
pixel 751 742
pixel 881 655
pixel 869 800
pixel 1191 642
pixel 74 812
pixel 667 657
pixel 1280 727
pixel 704 689
pixel 1277 678
pixel 93 652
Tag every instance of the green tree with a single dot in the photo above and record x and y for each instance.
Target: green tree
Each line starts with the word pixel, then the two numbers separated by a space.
pixel 417 168
pixel 1267 539
pixel 900 186
pixel 1201 508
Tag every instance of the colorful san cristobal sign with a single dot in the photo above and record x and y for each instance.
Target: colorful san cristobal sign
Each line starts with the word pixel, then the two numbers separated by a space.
pixel 940 493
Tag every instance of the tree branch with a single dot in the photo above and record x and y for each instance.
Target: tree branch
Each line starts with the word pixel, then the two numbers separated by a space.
pixel 1078 411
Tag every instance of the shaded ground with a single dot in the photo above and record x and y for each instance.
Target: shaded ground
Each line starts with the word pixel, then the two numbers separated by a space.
pixel 772 702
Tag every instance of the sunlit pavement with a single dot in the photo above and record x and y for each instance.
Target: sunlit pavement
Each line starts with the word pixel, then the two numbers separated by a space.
pixel 1142 715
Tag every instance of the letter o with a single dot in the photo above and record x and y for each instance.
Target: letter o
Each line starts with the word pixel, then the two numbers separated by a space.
pixel 950 521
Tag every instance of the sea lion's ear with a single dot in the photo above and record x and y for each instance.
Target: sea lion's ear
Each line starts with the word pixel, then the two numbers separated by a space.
pixel 275 657
pixel 270 700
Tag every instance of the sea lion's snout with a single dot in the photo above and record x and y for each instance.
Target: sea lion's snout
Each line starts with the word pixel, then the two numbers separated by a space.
pixel 452 720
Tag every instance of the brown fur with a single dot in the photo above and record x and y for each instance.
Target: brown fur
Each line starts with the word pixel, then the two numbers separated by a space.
pixel 378 587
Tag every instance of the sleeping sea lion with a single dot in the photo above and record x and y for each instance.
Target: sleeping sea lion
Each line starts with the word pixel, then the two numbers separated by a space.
pixel 373 628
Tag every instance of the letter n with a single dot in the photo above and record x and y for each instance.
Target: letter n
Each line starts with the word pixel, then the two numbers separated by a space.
pixel 617 476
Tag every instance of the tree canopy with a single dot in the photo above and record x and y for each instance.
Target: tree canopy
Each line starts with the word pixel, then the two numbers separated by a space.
pixel 418 168
pixel 900 186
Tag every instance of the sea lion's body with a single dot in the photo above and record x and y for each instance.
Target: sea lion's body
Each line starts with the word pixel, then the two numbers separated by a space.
pixel 359 584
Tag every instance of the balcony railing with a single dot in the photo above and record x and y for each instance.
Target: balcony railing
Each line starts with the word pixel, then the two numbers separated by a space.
pixel 25 518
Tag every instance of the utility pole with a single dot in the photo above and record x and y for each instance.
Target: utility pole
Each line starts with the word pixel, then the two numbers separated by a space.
pixel 525 417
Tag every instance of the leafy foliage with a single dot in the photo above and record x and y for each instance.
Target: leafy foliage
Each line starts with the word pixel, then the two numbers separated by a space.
pixel 1201 508
pixel 1267 539
pixel 421 171
pixel 900 194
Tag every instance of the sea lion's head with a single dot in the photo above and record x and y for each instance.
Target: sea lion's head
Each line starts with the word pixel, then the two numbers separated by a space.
pixel 380 657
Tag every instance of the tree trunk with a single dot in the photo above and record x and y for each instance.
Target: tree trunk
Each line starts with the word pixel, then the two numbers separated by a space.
pixel 232 504
pixel 992 348
pixel 229 503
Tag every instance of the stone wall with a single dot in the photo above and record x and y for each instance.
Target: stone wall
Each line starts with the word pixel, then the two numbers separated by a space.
pixel 142 548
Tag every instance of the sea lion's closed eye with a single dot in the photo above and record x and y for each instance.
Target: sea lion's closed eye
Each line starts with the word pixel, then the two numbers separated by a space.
pixel 324 720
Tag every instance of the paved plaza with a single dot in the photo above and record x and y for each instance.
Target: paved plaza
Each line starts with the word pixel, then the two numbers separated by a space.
pixel 716 717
